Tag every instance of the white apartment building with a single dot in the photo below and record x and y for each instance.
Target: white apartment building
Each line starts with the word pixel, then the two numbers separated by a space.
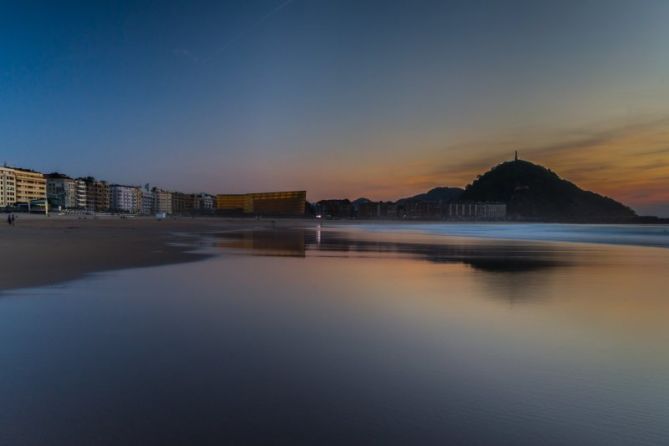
pixel 81 195
pixel 7 187
pixel 124 198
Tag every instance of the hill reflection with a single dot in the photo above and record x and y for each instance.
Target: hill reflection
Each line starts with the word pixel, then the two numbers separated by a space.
pixel 492 256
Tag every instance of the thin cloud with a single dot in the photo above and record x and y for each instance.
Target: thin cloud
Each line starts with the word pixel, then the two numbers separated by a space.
pixel 187 54
pixel 628 161
pixel 245 32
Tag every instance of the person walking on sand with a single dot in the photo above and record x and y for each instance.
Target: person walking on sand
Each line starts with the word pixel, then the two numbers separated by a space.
pixel 9 219
pixel 13 220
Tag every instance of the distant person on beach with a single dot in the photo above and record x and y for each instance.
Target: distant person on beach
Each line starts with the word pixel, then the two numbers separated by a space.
pixel 13 219
pixel 9 219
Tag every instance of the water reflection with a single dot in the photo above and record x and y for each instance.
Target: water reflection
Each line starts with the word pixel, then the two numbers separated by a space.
pixel 483 255
pixel 354 338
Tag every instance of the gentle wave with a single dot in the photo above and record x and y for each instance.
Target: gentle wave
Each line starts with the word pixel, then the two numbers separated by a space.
pixel 640 235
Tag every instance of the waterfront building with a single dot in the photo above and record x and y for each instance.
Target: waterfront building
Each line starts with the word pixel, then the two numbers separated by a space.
pixel 30 185
pixel 91 194
pixel 7 187
pixel 423 209
pixel 139 199
pixel 205 202
pixel 39 206
pixel 335 208
pixel 147 202
pixel 376 209
pixel 279 203
pixel 450 210
pixel 162 201
pixel 97 195
pixel 182 203
pixel 102 196
pixel 265 203
pixel 61 191
pixel 476 211
pixel 81 197
pixel 124 198
pixel 230 203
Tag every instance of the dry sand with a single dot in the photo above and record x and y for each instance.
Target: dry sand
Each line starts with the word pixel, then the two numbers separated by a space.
pixel 41 250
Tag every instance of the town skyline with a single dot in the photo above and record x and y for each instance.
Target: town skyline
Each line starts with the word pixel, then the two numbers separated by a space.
pixel 310 199
pixel 516 190
pixel 342 99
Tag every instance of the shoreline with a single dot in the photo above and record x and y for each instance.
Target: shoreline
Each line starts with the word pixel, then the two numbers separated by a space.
pixel 43 251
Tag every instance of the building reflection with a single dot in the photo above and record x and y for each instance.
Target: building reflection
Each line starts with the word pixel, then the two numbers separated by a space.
pixel 280 243
pixel 486 256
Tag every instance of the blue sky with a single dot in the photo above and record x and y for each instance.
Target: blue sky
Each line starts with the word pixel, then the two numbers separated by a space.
pixel 342 98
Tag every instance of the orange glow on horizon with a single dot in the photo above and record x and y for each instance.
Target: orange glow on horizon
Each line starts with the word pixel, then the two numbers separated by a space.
pixel 629 163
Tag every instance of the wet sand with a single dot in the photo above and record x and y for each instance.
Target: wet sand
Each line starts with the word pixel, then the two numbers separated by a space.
pixel 41 251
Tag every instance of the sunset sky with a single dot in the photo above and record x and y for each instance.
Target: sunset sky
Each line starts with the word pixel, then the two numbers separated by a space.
pixel 343 98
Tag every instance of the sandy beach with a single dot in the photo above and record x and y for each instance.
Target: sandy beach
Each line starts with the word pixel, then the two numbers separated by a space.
pixel 347 328
pixel 42 250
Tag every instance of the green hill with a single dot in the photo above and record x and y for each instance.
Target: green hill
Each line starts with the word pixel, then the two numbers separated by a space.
pixel 533 192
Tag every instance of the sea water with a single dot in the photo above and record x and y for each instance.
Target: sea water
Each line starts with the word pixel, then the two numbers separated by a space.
pixel 356 335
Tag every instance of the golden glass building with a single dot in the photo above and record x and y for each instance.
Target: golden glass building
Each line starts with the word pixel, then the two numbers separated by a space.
pixel 266 203
pixel 230 202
